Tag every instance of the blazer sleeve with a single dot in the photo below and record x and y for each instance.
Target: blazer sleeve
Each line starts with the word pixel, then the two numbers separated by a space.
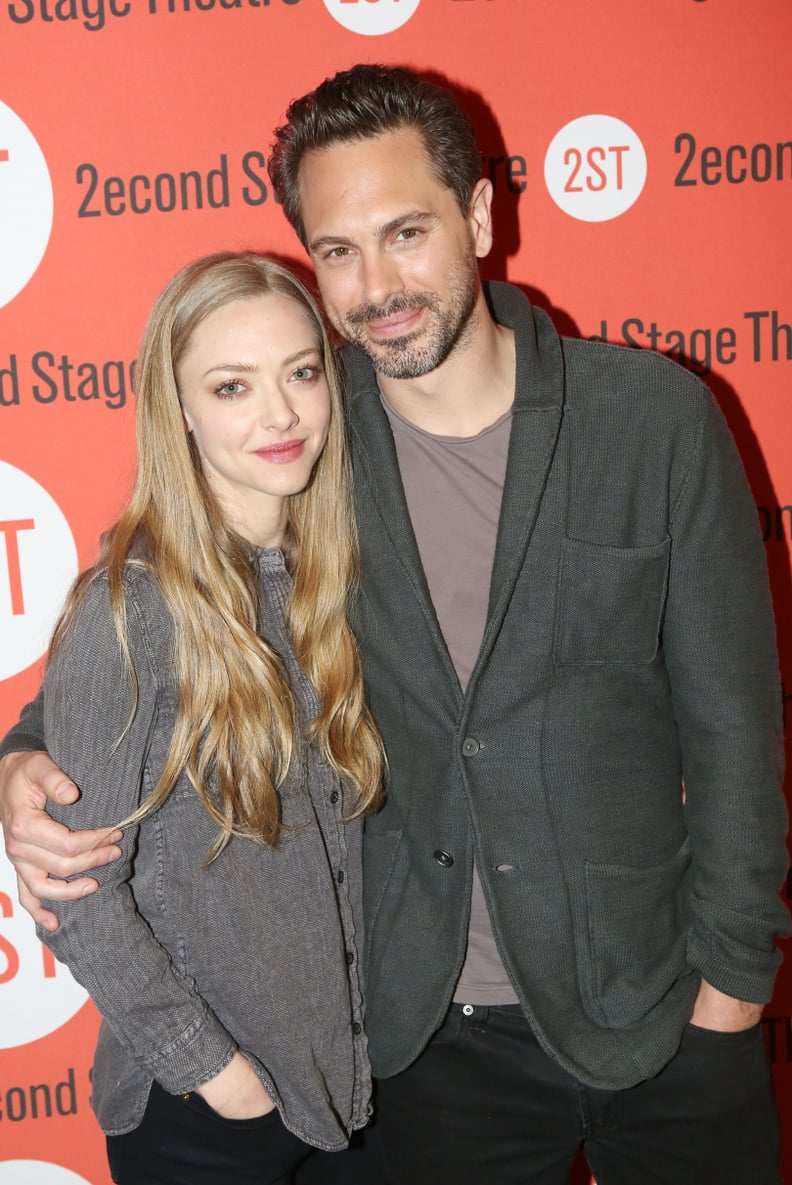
pixel 720 653
pixel 89 730
pixel 27 735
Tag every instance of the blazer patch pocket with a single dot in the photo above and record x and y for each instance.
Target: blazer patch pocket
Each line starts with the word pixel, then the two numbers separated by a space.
pixel 637 937
pixel 611 602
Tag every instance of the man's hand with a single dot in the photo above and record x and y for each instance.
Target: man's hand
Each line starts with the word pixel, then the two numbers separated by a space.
pixel 36 845
pixel 714 1010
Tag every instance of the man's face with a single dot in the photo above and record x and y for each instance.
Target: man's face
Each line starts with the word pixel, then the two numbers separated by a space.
pixel 395 258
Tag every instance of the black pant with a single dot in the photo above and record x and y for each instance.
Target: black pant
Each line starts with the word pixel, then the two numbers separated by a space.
pixel 182 1141
pixel 484 1105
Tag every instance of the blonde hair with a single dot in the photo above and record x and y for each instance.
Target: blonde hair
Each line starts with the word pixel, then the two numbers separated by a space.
pixel 234 732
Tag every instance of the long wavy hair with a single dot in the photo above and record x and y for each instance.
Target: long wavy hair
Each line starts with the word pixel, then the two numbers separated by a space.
pixel 235 726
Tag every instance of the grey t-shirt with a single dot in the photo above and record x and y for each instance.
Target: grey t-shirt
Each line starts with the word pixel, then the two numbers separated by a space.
pixel 453 488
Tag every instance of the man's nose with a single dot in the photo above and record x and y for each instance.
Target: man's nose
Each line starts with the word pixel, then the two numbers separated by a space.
pixel 381 277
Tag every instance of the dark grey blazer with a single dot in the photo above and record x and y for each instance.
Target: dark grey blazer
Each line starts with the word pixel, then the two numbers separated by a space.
pixel 629 647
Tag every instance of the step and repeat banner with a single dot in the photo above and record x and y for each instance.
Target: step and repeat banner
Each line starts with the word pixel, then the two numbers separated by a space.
pixel 641 156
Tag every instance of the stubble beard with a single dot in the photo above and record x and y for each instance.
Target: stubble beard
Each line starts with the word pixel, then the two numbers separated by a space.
pixel 417 353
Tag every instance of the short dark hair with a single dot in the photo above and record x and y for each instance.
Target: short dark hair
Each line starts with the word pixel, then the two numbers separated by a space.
pixel 367 101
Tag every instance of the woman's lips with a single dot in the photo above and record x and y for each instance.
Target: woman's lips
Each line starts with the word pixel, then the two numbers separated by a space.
pixel 281 454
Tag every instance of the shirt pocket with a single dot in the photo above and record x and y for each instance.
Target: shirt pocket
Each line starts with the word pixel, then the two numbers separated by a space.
pixel 611 602
pixel 636 936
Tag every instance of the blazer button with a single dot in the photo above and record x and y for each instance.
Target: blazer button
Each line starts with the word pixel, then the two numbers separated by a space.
pixel 470 747
pixel 444 858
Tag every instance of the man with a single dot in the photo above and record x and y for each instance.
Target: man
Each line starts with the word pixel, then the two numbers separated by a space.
pixel 569 648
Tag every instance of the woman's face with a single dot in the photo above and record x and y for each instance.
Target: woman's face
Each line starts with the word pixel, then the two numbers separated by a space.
pixel 255 398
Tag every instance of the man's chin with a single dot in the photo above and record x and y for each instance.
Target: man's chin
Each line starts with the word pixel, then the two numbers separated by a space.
pixel 395 360
pixel 398 368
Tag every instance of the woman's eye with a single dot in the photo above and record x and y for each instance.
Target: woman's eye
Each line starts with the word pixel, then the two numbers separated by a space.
pixel 306 374
pixel 230 389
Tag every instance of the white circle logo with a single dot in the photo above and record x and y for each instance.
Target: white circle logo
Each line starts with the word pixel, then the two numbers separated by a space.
pixel 371 17
pixel 37 994
pixel 38 562
pixel 25 204
pixel 595 168
pixel 37 1172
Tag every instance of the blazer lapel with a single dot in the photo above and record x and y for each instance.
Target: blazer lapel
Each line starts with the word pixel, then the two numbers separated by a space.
pixel 537 415
pixel 378 485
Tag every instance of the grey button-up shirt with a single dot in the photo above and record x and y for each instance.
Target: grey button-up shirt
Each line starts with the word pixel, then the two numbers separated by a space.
pixel 188 963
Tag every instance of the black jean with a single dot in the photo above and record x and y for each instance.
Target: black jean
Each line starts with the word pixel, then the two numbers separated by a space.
pixel 182 1141
pixel 484 1105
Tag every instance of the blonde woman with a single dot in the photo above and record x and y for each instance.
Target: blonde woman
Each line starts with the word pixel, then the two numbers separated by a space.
pixel 204 690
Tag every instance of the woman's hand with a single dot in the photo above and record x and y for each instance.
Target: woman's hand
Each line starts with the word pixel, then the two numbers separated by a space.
pixel 236 1093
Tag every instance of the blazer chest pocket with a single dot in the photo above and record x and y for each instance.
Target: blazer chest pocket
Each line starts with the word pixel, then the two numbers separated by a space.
pixel 611 602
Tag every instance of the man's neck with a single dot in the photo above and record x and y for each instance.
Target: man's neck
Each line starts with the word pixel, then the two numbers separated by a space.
pixel 469 391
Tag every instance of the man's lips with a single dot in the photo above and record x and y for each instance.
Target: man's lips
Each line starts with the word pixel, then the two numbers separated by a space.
pixel 397 324
pixel 281 454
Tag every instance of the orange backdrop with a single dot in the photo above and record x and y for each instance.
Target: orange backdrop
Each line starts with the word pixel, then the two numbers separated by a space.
pixel 663 225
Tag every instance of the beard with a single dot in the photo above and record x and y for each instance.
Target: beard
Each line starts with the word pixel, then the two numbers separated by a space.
pixel 424 349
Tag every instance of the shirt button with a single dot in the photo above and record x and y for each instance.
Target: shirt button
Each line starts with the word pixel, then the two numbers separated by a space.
pixel 340 876
pixel 357 1028
pixel 443 858
pixel 334 797
pixel 470 747
pixel 350 956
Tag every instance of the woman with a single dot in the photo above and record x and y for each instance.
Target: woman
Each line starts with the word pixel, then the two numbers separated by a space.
pixel 203 687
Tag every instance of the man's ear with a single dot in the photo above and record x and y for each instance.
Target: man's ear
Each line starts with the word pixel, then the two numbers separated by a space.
pixel 480 217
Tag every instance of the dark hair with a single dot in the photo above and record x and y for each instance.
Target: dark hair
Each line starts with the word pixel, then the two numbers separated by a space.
pixel 367 101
